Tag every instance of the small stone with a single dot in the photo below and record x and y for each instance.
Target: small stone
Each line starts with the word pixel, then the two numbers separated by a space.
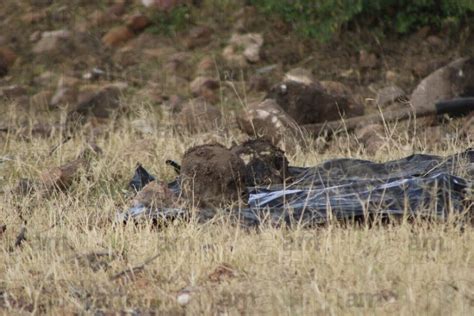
pixel 61 178
pixel 391 76
pixel 200 85
pixel 205 67
pixel 367 60
pixel 162 5
pixel 184 296
pixel 389 95
pixel 337 88
pixel 117 36
pixel 243 49
pixel 51 41
pixel 138 22
pixel 35 36
pixel 300 75
pixel 199 36
pixel 435 41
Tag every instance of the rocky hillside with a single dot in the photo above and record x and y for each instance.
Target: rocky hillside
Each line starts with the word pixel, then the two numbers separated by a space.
pixel 69 61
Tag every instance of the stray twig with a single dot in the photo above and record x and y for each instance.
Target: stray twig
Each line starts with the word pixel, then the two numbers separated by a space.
pixel 68 138
pixel 135 269
pixel 20 238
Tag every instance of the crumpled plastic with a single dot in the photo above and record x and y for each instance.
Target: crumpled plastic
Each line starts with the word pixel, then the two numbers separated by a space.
pixel 426 186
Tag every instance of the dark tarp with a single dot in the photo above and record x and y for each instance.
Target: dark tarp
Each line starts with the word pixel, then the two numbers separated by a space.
pixel 419 185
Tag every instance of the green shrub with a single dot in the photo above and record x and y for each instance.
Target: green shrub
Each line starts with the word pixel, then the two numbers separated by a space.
pixel 170 22
pixel 323 18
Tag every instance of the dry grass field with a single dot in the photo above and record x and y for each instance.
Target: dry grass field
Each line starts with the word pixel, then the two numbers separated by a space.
pixel 76 259
pixel 64 252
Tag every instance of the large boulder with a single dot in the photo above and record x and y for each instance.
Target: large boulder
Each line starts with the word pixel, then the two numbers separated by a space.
pixel 212 175
pixel 453 80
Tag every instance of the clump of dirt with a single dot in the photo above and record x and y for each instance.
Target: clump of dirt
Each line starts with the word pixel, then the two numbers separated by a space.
pixel 265 163
pixel 212 175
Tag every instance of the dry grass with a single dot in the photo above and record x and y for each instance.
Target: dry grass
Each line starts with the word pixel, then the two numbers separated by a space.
pixel 73 254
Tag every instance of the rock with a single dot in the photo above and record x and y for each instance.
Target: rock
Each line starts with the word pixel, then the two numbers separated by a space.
pixel 265 164
pixel 371 137
pixel 138 22
pixel 300 75
pixel 177 61
pixel 337 88
pixel 35 36
pixel 453 80
pixel 389 95
pixel 13 91
pixel 155 195
pixel 367 60
pixel 243 49
pixel 199 116
pixel 41 100
pixel 205 67
pixel 391 76
pixel 97 102
pixel 201 86
pixel 7 59
pixel 311 103
pixel 435 42
pixel 117 36
pixel 212 175
pixel 198 36
pixel 61 178
pixel 162 5
pixel 51 41
pixel 269 120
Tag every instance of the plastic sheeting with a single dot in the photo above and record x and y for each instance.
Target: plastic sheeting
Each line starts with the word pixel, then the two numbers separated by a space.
pixel 419 185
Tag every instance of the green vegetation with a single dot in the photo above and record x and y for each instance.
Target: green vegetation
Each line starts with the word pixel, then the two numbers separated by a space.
pixel 170 22
pixel 323 18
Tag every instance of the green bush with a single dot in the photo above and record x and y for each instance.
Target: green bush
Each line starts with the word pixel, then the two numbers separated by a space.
pixel 323 18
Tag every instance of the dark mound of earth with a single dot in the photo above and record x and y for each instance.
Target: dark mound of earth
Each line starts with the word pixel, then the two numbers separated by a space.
pixel 265 164
pixel 311 103
pixel 212 175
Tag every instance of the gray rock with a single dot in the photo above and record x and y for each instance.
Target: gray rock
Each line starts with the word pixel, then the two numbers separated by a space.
pixel 453 80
